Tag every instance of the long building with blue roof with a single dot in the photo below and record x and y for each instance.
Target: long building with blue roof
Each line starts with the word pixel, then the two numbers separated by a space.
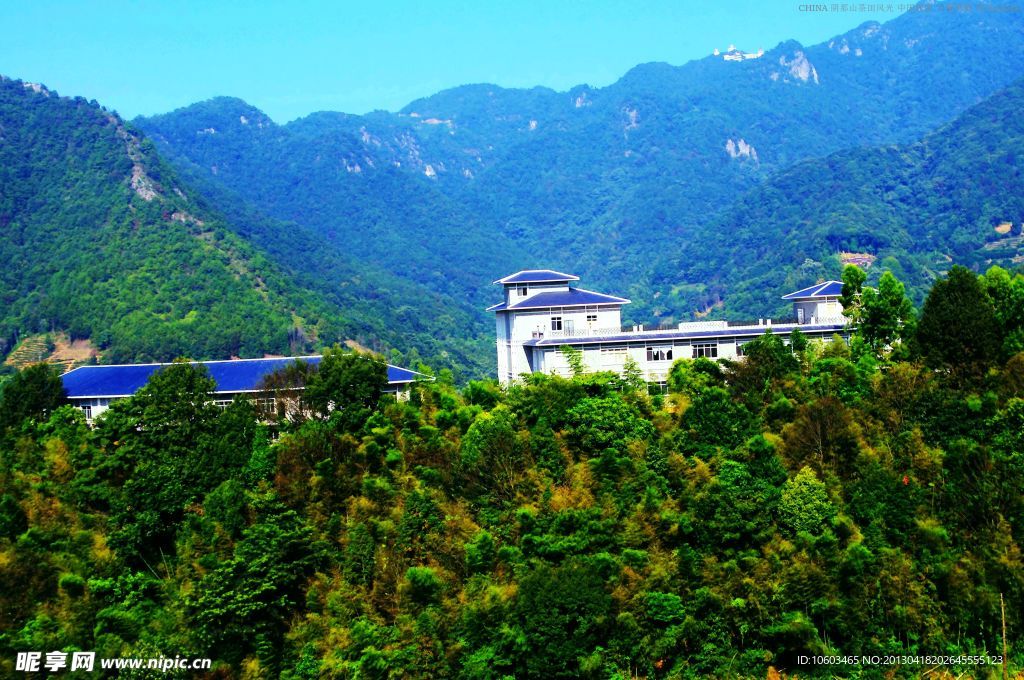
pixel 93 388
pixel 542 311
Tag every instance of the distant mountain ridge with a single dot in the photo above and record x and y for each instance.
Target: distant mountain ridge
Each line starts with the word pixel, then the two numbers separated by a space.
pixel 472 182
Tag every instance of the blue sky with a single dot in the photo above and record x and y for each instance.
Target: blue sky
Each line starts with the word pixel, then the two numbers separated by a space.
pixel 290 59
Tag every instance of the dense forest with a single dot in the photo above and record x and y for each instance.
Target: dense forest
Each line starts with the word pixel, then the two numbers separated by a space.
pixel 952 197
pixel 858 497
pixel 102 238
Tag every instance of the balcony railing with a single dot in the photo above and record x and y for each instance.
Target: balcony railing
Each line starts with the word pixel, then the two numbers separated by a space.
pixel 580 333
pixel 686 326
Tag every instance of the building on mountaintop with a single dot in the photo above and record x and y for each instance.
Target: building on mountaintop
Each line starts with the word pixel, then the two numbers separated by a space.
pixel 543 312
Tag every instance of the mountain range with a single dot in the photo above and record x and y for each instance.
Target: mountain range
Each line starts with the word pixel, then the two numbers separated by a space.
pixel 707 188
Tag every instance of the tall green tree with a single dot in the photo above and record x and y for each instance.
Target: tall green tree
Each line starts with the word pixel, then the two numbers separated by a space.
pixel 958 329
pixel 850 297
pixel 887 315
pixel 346 380
pixel 34 392
pixel 166 447
pixel 1007 295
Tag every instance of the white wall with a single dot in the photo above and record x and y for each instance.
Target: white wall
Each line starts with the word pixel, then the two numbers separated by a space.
pixel 513 297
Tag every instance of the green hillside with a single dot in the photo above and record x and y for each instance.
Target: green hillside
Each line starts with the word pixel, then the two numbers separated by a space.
pixel 102 238
pixel 321 178
pixel 955 196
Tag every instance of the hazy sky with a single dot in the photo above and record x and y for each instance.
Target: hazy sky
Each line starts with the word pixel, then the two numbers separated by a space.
pixel 292 58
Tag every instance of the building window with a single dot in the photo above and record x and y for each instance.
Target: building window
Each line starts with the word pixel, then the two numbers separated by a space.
pixel 613 356
pixel 523 290
pixel 705 349
pixel 87 410
pixel 591 318
pixel 659 354
pixel 556 323
pixel 740 344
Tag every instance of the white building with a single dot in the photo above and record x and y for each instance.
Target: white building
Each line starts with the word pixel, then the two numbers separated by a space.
pixel 542 312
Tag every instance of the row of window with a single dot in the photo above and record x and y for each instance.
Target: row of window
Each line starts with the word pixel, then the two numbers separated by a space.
pixel 557 324
pixel 612 355
pixel 266 403
pixel 661 353
pixel 263 403
pixel 700 349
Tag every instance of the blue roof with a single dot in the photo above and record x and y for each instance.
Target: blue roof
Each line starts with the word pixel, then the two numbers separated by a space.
pixel 242 375
pixel 661 336
pixel 403 375
pixel 826 289
pixel 561 298
pixel 538 276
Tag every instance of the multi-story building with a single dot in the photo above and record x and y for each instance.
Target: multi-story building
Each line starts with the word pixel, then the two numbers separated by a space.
pixel 543 311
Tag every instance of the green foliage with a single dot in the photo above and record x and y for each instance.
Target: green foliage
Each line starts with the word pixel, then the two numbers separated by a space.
pixel 346 383
pixel 786 504
pixel 226 505
pixel 958 329
pixel 632 375
pixel 422 584
pixel 33 392
pixel 480 553
pixel 573 357
pixel 804 505
pixel 691 376
pixel 72 584
pixel 241 603
pixel 493 452
pixel 13 521
pixel 564 612
pixel 1007 295
pixel 887 315
pixel 853 288
pixel 714 418
pixel 359 564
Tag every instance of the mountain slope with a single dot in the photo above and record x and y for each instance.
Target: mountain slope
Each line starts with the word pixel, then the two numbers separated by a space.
pixel 101 237
pixel 955 196
pixel 319 177
pixel 472 182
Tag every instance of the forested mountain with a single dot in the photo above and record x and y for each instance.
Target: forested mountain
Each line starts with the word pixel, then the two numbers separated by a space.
pixel 677 186
pixel 320 179
pixel 957 195
pixel 605 182
pixel 102 238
